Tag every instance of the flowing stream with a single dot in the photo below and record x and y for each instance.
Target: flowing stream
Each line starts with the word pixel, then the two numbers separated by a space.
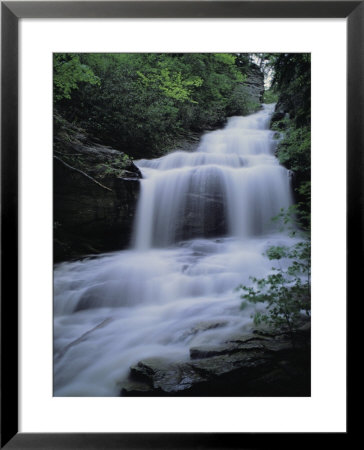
pixel 203 223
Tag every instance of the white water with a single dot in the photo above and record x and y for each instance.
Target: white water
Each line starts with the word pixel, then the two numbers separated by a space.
pixel 176 285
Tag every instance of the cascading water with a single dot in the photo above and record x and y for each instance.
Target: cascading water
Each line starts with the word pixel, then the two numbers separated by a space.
pixel 202 225
pixel 233 174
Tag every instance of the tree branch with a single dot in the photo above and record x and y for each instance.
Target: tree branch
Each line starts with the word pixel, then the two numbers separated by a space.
pixel 82 173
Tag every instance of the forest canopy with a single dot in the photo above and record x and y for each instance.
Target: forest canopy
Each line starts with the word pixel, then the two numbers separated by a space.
pixel 144 103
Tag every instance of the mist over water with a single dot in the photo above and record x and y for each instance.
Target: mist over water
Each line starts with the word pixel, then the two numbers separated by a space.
pixel 202 224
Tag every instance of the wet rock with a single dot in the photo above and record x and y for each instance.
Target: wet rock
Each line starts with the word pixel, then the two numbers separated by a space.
pixel 227 349
pixel 162 375
pixel 247 365
pixel 135 388
pixel 203 326
pixel 239 339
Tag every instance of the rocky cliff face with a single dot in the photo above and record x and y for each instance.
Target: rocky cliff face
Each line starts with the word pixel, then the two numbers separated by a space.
pixel 95 195
pixel 254 83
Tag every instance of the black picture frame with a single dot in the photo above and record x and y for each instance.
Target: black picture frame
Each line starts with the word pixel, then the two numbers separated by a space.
pixel 11 12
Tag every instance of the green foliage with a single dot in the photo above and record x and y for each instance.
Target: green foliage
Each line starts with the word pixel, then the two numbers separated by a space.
pixel 68 72
pixel 270 96
pixel 116 167
pixel 145 103
pixel 291 73
pixel 286 291
pixel 226 58
pixel 297 218
pixel 172 85
pixel 294 150
pixel 282 124
pixel 292 79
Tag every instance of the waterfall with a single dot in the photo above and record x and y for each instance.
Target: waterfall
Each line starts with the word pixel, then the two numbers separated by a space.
pixel 202 225
pixel 233 177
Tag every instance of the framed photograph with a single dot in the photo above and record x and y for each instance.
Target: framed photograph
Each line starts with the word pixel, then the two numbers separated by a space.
pixel 165 169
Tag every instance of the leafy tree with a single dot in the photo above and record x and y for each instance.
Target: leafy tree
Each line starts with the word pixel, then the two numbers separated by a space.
pixel 294 151
pixel 68 72
pixel 292 78
pixel 286 291
pixel 171 84
pixel 145 103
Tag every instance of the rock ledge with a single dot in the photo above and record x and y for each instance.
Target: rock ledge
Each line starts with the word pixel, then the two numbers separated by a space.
pixel 259 364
